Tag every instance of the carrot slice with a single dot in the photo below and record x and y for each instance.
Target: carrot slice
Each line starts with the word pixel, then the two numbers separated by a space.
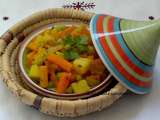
pixel 75 33
pixel 51 71
pixel 61 62
pixel 53 78
pixel 30 57
pixel 63 82
pixel 86 32
pixel 43 76
pixel 82 30
pixel 67 31
pixel 32 46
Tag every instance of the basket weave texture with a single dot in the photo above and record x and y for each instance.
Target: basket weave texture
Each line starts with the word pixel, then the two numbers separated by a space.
pixel 9 47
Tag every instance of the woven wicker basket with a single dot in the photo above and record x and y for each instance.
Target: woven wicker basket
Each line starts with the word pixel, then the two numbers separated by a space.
pixel 9 46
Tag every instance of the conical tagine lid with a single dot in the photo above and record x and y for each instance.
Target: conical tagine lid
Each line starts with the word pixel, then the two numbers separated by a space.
pixel 127 48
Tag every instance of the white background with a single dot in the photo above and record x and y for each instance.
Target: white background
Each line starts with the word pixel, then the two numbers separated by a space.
pixel 129 107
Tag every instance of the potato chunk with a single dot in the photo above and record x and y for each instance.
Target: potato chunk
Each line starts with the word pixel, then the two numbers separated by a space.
pixel 34 72
pixel 82 65
pixel 80 87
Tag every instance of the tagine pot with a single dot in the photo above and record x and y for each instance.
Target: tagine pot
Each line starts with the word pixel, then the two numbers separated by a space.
pixel 127 48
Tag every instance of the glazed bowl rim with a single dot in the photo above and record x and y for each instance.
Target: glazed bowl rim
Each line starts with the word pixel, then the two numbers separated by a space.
pixel 44 91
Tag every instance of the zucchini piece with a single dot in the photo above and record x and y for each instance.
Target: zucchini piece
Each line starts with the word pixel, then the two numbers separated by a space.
pixel 43 76
pixel 80 87
pixel 92 82
pixel 34 72
pixel 40 56
pixel 82 65
pixel 69 90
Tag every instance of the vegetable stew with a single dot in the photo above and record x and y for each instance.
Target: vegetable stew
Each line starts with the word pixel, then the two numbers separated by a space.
pixel 63 59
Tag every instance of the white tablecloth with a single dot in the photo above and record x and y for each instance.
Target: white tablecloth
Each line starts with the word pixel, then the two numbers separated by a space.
pixel 129 107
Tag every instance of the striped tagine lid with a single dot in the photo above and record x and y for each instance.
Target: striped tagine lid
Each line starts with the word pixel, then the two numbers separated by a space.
pixel 127 48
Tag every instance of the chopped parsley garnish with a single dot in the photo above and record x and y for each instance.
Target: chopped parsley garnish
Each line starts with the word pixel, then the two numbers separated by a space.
pixel 76 45
pixel 71 55
pixel 69 40
pixel 81 40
